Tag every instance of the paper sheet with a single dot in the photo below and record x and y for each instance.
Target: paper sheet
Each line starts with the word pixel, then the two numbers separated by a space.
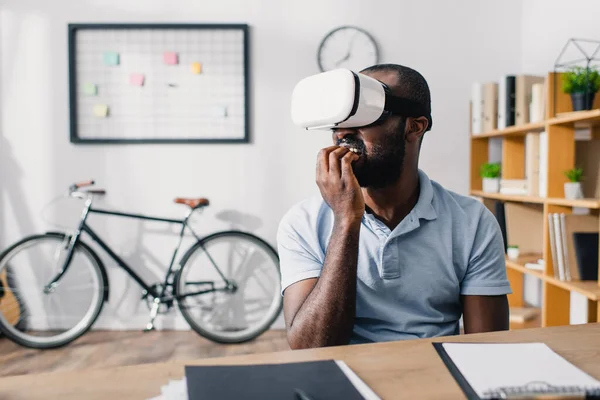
pixel 488 367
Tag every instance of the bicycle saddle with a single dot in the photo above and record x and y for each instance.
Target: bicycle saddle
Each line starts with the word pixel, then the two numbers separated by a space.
pixel 193 203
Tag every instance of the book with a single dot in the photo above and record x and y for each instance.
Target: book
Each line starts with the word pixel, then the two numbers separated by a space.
pixel 559 247
pixel 538 103
pixel 523 314
pixel 586 252
pixel 506 101
pixel 328 379
pixel 523 92
pixel 490 106
pixel 577 224
pixel 477 108
pixel 508 370
pixel 532 163
pixel 543 167
pixel 553 245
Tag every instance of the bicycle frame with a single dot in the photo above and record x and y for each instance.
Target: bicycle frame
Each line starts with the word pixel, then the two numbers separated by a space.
pixel 159 297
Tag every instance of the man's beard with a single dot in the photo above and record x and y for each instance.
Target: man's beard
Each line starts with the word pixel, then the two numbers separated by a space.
pixel 382 165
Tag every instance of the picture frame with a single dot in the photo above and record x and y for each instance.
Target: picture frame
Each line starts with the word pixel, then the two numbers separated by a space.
pixel 159 83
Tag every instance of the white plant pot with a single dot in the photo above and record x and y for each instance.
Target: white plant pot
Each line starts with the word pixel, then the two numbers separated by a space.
pixel 491 185
pixel 573 191
pixel 512 253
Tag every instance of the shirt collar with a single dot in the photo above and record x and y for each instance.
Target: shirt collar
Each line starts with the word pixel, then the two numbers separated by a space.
pixel 424 207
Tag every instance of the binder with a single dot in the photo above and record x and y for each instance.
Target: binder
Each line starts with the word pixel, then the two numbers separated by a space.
pixel 514 370
pixel 327 379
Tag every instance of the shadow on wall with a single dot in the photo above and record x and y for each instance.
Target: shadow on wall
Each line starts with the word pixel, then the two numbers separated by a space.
pixel 239 221
pixel 11 191
pixel 12 195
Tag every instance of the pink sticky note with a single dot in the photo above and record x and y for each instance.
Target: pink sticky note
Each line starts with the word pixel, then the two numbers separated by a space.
pixel 137 79
pixel 170 58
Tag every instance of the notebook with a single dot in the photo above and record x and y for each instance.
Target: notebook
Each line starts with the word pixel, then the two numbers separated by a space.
pixel 507 370
pixel 321 380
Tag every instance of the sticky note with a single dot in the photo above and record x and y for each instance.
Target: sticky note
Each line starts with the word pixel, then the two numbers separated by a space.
pixel 196 68
pixel 111 58
pixel 90 89
pixel 170 58
pixel 137 79
pixel 101 110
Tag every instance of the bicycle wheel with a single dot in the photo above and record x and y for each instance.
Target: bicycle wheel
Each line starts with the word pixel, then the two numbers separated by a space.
pixel 222 315
pixel 50 316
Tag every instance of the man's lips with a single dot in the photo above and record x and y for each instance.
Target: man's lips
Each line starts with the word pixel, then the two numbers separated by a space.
pixel 353 147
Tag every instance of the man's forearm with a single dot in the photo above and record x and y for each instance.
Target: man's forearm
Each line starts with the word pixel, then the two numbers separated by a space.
pixel 326 317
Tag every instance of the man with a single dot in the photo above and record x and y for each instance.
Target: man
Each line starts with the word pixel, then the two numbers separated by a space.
pixel 384 253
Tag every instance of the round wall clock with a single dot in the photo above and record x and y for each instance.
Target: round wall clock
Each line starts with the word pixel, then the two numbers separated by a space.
pixel 347 47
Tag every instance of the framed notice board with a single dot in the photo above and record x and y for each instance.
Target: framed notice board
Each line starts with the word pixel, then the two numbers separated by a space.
pixel 158 83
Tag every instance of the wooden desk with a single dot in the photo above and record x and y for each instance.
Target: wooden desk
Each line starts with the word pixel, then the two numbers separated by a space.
pixel 397 370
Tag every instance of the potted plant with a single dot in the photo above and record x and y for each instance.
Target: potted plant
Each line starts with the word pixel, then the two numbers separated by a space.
pixel 490 172
pixel 581 83
pixel 573 189
pixel 513 252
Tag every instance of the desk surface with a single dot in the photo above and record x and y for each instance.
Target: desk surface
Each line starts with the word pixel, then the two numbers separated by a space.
pixel 409 369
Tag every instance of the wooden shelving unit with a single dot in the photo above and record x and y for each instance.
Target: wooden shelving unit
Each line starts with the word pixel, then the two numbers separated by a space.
pixel 557 201
pixel 560 125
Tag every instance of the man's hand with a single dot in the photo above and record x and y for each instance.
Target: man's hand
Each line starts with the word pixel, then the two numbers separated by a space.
pixel 338 184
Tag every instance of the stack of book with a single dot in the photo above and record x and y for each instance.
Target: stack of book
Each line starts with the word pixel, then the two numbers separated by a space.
pixel 574 246
pixel 512 100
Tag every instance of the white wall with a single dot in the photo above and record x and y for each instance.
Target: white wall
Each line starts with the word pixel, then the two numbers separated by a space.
pixel 451 43
pixel 546 27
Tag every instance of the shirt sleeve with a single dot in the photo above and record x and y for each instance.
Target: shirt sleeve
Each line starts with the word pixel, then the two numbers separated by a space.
pixel 297 245
pixel 486 272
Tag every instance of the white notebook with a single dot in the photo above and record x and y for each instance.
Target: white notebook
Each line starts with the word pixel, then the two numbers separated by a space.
pixel 493 370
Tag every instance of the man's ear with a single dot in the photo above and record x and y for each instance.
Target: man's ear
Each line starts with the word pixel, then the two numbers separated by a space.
pixel 415 128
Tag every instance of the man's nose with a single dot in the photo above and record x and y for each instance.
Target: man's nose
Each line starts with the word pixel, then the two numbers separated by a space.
pixel 340 133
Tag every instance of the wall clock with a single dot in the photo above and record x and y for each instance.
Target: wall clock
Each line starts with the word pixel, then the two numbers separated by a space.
pixel 347 47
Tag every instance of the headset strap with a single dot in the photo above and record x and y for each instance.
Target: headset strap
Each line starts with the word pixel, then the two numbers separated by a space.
pixel 404 107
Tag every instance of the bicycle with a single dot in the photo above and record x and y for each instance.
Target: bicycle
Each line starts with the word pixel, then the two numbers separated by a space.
pixel 228 295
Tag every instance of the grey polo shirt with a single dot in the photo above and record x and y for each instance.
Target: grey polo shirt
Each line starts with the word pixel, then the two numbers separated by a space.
pixel 410 279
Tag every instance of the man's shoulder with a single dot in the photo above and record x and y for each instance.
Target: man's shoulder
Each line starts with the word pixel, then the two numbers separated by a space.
pixel 446 200
pixel 305 213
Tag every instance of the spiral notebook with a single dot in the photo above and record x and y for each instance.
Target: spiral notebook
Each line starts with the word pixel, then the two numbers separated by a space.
pixel 514 370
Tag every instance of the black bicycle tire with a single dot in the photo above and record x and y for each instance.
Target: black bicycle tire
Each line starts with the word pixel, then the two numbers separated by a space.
pixel 183 310
pixel 103 276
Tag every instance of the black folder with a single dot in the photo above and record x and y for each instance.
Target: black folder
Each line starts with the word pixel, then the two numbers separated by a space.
pixel 320 380
pixel 586 251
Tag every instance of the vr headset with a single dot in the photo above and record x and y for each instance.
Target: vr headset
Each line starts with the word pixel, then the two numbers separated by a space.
pixel 342 98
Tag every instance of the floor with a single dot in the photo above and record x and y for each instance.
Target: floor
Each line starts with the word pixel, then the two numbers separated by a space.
pixel 101 349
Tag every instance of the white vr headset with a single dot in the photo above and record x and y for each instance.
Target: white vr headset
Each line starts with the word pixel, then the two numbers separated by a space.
pixel 345 99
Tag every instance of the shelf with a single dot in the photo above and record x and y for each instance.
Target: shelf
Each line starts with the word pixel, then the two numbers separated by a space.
pixel 517 130
pixel 574 119
pixel 508 197
pixel 584 203
pixel 519 265
pixel 577 118
pixel 589 289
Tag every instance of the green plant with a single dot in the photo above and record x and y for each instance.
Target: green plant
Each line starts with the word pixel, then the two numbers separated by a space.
pixel 490 170
pixel 581 80
pixel 513 246
pixel 574 174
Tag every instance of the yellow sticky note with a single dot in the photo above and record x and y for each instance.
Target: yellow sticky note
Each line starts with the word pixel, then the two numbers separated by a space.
pixel 101 110
pixel 196 68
